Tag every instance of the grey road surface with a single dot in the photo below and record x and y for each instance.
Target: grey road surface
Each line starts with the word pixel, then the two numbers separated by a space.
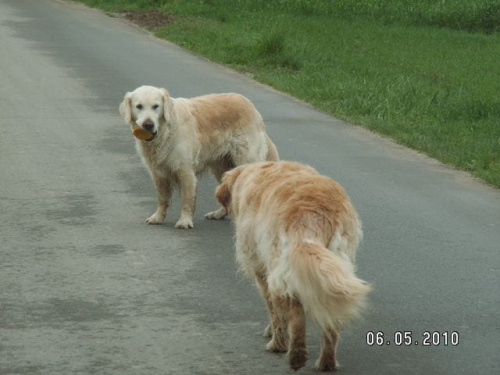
pixel 87 288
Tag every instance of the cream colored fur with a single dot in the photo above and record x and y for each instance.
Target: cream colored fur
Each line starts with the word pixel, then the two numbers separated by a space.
pixel 213 132
pixel 296 234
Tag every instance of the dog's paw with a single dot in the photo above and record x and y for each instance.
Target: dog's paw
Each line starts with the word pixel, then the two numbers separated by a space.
pixel 276 346
pixel 326 365
pixel 216 215
pixel 155 219
pixel 297 357
pixel 268 332
pixel 184 223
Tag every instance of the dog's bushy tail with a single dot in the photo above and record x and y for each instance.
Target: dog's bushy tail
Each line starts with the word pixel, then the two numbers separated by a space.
pixel 272 151
pixel 326 284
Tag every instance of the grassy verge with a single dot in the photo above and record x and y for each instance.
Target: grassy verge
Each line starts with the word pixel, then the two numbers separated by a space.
pixel 426 73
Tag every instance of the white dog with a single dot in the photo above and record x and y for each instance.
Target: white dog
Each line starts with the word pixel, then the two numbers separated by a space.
pixel 296 235
pixel 189 136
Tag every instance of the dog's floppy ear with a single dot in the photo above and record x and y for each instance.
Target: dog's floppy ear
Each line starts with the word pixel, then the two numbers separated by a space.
pixel 167 105
pixel 126 109
pixel 223 192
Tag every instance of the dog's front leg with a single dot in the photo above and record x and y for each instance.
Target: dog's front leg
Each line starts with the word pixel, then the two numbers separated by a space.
pixel 187 181
pixel 164 192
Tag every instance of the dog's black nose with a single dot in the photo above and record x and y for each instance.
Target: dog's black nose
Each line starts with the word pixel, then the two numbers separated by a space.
pixel 148 125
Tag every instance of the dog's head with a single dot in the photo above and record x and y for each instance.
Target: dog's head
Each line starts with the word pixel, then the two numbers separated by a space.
pixel 147 107
pixel 224 192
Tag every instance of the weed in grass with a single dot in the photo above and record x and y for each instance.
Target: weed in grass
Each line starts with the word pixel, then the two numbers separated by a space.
pixel 273 44
pixel 222 17
pixel 271 48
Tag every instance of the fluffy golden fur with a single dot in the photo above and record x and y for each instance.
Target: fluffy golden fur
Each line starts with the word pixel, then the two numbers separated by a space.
pixel 213 132
pixel 296 235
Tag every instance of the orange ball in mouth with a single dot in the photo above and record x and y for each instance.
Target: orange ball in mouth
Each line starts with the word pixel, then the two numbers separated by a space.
pixel 143 135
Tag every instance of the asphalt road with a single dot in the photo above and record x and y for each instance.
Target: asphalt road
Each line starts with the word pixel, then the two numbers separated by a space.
pixel 87 288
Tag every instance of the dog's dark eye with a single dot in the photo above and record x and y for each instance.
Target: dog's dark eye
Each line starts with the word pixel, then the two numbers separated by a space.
pixel 156 106
pixel 138 106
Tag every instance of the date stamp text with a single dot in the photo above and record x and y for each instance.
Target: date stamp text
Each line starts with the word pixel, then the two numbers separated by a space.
pixel 409 338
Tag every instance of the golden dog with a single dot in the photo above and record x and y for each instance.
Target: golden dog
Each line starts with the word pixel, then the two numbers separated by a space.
pixel 296 234
pixel 189 136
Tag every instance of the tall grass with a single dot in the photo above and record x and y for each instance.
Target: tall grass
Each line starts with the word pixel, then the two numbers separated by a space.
pixel 426 73
pixel 469 15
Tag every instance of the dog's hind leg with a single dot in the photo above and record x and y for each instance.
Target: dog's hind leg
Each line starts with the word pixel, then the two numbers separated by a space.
pixel 327 359
pixel 260 278
pixel 297 353
pixel 277 329
pixel 245 154
pixel 217 214
pixel 268 331
pixel 279 325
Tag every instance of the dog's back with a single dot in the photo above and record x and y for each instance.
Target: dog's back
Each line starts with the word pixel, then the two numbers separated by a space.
pixel 299 231
pixel 221 113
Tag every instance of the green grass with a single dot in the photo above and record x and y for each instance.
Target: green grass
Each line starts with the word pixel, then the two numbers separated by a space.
pixel 426 73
